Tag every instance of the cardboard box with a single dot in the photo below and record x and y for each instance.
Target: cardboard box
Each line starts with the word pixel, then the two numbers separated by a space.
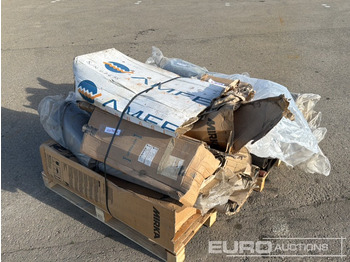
pixel 233 124
pixel 215 128
pixel 232 183
pixel 216 124
pixel 109 79
pixel 181 163
pixel 150 213
pixel 239 162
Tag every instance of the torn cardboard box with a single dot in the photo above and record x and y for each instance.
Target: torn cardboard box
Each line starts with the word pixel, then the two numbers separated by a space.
pixel 215 128
pixel 233 182
pixel 235 122
pixel 216 125
pixel 235 201
pixel 145 155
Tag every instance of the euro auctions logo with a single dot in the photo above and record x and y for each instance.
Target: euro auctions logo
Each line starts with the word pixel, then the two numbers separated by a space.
pixel 281 247
pixel 117 67
pixel 240 247
pixel 88 90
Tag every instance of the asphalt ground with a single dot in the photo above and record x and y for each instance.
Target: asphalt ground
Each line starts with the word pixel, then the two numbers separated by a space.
pixel 303 45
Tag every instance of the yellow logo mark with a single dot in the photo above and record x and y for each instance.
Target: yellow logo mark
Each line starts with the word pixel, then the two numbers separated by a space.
pixel 117 68
pixel 87 94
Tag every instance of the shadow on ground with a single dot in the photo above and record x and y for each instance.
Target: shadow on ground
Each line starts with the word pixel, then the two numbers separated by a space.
pixel 21 166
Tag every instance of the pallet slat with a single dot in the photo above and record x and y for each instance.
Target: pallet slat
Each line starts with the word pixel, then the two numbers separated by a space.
pixel 115 224
pixel 183 236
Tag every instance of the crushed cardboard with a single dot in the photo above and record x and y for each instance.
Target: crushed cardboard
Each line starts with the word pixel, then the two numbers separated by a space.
pixel 235 201
pixel 145 155
pixel 233 119
pixel 216 123
pixel 233 181
pixel 214 128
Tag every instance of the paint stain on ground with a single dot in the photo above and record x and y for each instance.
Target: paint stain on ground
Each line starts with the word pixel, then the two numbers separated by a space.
pixel 281 21
pixel 293 57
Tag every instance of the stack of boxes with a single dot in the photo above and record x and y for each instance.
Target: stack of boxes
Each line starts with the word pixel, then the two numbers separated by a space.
pixel 175 151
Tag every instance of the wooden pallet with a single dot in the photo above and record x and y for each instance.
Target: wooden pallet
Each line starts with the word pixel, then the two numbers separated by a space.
pixel 85 189
pixel 260 182
pixel 185 234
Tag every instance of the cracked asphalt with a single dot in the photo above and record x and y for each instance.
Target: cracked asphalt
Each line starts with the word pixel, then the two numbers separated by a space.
pixel 303 45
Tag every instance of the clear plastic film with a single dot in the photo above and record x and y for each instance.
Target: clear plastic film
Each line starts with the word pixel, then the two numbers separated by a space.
pixel 63 120
pixel 226 183
pixel 175 65
pixel 306 103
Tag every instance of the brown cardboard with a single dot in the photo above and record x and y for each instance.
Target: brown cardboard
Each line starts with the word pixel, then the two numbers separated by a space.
pixel 234 165
pixel 214 128
pixel 224 81
pixel 234 89
pixel 235 123
pixel 216 124
pixel 230 181
pixel 231 119
pixel 150 213
pixel 240 162
pixel 181 163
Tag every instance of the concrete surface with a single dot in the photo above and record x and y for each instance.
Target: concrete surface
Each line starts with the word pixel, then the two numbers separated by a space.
pixel 303 45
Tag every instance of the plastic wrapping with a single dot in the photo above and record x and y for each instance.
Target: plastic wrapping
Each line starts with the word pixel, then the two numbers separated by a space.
pixel 293 142
pixel 219 195
pixel 175 65
pixel 306 103
pixel 63 121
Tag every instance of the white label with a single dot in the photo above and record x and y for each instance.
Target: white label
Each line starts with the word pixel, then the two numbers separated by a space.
pixel 110 130
pixel 211 81
pixel 172 167
pixel 100 214
pixel 147 155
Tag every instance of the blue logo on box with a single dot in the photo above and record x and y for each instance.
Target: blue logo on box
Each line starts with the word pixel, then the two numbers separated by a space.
pixel 117 68
pixel 88 90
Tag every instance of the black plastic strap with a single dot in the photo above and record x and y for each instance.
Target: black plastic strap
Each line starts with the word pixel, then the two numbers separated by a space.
pixel 116 130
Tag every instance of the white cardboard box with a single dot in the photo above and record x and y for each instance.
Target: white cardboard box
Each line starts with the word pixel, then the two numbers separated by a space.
pixel 109 79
